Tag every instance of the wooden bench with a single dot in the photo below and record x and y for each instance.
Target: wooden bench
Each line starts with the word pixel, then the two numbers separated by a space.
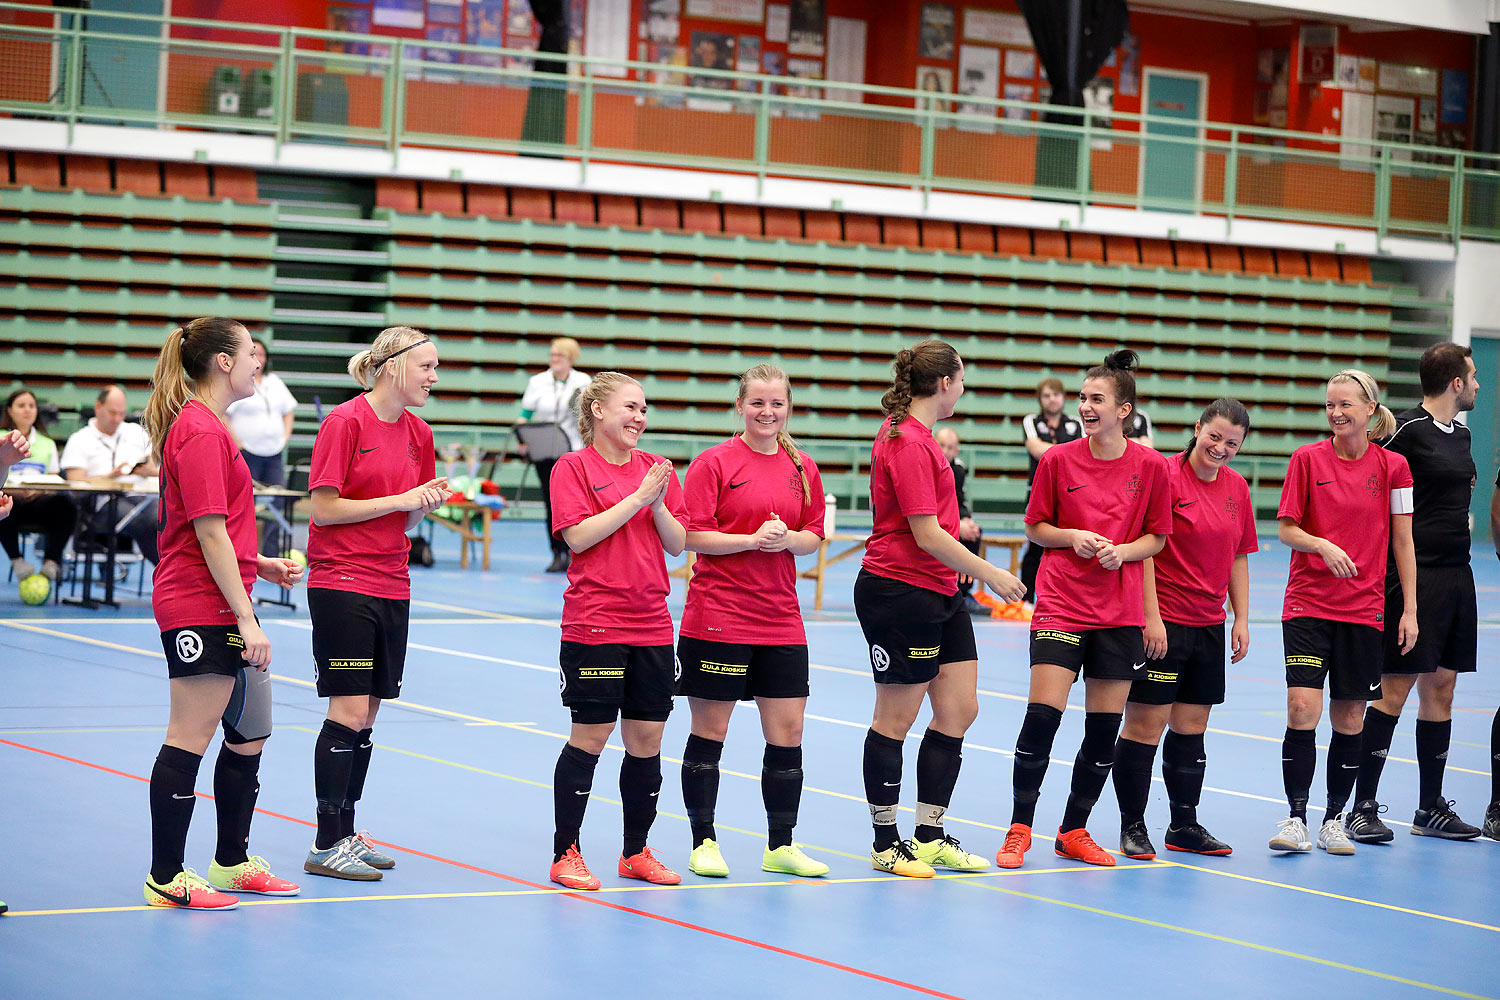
pixel 850 543
pixel 465 530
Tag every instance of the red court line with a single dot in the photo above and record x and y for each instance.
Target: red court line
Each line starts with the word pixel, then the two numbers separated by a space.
pixel 724 935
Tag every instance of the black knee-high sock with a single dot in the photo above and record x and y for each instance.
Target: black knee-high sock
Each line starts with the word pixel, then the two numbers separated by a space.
pixel 363 747
pixel 938 762
pixel 1432 756
pixel 572 780
pixel 333 763
pixel 1343 765
pixel 781 791
pixel 1134 762
pixel 700 785
pixel 883 786
pixel 640 784
pixel 236 785
pixel 1091 767
pixel 1182 764
pixel 1033 752
pixel 1375 745
pixel 1299 759
pixel 172 781
pixel 1495 757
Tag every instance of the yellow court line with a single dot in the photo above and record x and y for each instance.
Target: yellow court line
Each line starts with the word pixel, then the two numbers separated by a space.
pixel 1225 939
pixel 799 883
pixel 1331 895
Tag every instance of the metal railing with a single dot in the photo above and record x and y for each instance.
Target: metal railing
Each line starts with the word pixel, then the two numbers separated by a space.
pixel 373 91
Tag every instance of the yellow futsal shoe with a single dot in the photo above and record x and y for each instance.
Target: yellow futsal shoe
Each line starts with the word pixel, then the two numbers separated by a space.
pixel 899 860
pixel 945 853
pixel 789 860
pixel 708 861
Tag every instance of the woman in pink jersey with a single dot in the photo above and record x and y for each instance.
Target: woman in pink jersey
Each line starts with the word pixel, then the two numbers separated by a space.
pixel 371 482
pixel 913 616
pixel 619 509
pixel 200 596
pixel 1345 499
pixel 1206 557
pixel 754 503
pixel 1100 507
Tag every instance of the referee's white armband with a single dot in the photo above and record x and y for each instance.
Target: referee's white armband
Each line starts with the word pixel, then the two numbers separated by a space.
pixel 1401 502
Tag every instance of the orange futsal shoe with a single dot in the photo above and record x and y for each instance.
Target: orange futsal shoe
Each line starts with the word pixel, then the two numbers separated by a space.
pixel 645 867
pixel 983 597
pixel 570 872
pixel 1017 842
pixel 1078 845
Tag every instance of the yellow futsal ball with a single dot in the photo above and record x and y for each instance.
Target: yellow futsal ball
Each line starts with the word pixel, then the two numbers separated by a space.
pixel 299 557
pixel 35 589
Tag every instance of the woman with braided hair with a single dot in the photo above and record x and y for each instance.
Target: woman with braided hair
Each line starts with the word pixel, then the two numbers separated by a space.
pixel 913 616
pixel 754 503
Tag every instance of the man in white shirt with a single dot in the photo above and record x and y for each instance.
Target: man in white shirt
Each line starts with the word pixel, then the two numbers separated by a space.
pixel 110 448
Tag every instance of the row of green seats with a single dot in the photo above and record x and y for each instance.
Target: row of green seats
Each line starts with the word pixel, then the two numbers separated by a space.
pixel 128 205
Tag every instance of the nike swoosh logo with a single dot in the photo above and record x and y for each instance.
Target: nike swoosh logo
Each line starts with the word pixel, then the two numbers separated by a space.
pixel 176 796
pixel 1324 482
pixel 584 792
pixel 181 899
pixel 1375 686
pixel 1074 489
pixel 598 488
pixel 340 749
pixel 1136 666
pixel 1188 503
pixel 366 451
pixel 735 486
pixel 1104 763
pixel 1349 767
pixel 892 784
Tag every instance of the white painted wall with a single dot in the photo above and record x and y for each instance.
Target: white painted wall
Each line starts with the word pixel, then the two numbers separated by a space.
pixel 1476 289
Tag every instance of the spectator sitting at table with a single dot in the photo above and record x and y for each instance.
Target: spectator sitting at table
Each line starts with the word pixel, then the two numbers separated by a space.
pixel 53 515
pixel 111 448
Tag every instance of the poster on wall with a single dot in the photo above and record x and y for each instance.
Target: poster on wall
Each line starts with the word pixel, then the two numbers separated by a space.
pixel 1318 42
pixel 1020 63
pixel 1346 72
pixel 1273 66
pixel 934 80
pixel 1099 98
pixel 669 55
pixel 482 23
pixel 999 29
pixel 1394 117
pixel 1356 121
pixel 806 28
pixel 728 10
pixel 1427 115
pixel 663 20
pixel 446 34
pixel 1019 92
pixel 712 50
pixel 935 37
pixel 400 13
pixel 1408 79
pixel 805 69
pixel 846 58
pixel 778 22
pixel 1455 105
pixel 1368 69
pixel 978 76
pixel 445 12
pixel 747 57
pixel 352 19
pixel 518 20
pixel 607 34
pixel 1130 66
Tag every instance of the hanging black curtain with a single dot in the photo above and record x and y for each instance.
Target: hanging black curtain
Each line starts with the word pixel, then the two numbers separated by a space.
pixel 1072 38
pixel 547 102
pixel 1483 195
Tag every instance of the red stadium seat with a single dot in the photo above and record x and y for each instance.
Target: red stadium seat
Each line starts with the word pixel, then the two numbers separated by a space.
pixel 187 179
pixel 1013 242
pixel 1122 250
pixel 90 173
pixel 399 194
pixel 1223 257
pixel 974 237
pixel 38 170
pixel 618 210
pixel 237 183
pixel 783 222
pixel 702 217
pixel 489 200
pixel 661 213
pixel 531 203
pixel 575 206
pixel 443 197
pixel 1259 260
pixel 862 229
pixel 1086 246
pixel 743 220
pixel 1050 243
pixel 938 234
pixel 823 226
pixel 899 231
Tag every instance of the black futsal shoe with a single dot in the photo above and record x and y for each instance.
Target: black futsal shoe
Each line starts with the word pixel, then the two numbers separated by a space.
pixel 1364 826
pixel 1442 821
pixel 1492 821
pixel 1135 843
pixel 1194 839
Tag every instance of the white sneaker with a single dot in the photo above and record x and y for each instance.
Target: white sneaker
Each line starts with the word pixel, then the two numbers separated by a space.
pixel 1332 837
pixel 21 568
pixel 1291 836
pixel 51 570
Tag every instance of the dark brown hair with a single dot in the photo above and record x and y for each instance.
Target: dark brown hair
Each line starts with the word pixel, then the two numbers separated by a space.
pixel 1231 410
pixel 915 374
pixel 7 424
pixel 1441 364
pixel 186 358
pixel 1117 368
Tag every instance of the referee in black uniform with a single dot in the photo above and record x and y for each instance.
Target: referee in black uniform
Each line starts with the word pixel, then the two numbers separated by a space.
pixel 1043 430
pixel 1436 446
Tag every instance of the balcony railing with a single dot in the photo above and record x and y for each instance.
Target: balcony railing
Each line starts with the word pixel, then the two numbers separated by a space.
pixel 304 85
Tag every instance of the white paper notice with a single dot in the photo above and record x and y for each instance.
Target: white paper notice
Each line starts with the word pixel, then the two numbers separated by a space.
pixel 778 22
pixel 607 34
pixel 846 57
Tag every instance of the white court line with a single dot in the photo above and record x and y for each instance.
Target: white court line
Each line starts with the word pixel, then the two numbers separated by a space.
pixel 307 627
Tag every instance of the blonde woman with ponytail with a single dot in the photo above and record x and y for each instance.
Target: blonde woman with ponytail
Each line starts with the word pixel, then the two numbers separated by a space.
pixel 372 481
pixel 1344 502
pixel 912 612
pixel 619 509
pixel 754 503
pixel 202 582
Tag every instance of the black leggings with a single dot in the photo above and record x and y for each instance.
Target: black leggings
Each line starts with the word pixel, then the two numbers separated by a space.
pixel 544 474
pixel 50 514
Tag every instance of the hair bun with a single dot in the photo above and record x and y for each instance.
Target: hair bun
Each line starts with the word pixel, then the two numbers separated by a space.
pixel 1124 360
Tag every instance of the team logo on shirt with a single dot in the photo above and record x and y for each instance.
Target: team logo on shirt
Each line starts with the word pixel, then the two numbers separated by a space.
pixel 412 452
pixel 1133 485
pixel 189 646
pixel 1375 485
pixel 879 659
pixel 1232 508
pixel 795 482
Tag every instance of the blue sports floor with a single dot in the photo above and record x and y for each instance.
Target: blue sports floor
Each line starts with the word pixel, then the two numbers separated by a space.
pixel 459 790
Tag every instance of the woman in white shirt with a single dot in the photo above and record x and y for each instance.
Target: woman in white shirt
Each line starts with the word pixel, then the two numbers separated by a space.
pixel 262 423
pixel 549 399
pixel 52 515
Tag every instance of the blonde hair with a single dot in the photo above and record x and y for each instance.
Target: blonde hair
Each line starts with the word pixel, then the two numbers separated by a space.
pixel 770 373
pixel 568 346
pixel 185 360
pixel 366 366
pixel 600 389
pixel 1383 423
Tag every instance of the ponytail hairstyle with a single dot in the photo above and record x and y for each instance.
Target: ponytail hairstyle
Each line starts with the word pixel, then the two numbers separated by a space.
pixel 1231 410
pixel 1117 368
pixel 770 373
pixel 1382 423
pixel 915 374
pixel 600 389
pixel 367 366
pixel 186 360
